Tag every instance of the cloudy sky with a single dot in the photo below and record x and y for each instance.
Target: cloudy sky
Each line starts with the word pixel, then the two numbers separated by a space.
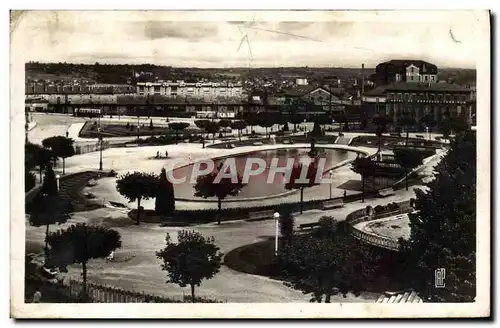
pixel 228 39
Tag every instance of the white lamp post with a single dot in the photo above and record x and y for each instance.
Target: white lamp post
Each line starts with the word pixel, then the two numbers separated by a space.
pixel 330 173
pixel 276 220
pixel 57 181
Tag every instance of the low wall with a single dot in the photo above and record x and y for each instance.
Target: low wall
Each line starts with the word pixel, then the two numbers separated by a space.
pixel 361 215
pixel 82 148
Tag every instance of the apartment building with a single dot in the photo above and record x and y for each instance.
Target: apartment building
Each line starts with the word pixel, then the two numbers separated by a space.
pixel 181 89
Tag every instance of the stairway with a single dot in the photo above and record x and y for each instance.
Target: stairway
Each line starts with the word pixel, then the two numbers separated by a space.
pixel 399 297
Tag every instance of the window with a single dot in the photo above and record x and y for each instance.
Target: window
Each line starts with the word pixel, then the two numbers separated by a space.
pixel 398 77
pixel 406 97
pixel 400 97
pixel 431 97
pixel 440 97
pixel 426 78
pixel 464 98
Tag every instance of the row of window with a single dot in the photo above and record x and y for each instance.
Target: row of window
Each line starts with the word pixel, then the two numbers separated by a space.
pixel 425 96
pixel 415 77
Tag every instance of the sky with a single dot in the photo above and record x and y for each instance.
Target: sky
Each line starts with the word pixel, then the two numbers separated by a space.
pixel 248 39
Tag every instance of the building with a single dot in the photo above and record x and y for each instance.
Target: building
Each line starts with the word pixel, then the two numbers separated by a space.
pixel 413 71
pixel 202 90
pixel 418 100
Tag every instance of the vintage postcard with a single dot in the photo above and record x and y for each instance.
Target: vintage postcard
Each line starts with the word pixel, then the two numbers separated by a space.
pixel 250 164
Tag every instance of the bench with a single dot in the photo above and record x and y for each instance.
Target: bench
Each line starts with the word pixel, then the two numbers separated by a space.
pixel 420 136
pixel 333 203
pixel 305 226
pixel 386 192
pixel 231 146
pixel 116 204
pixel 286 141
pixel 261 215
pixel 258 143
pixel 396 134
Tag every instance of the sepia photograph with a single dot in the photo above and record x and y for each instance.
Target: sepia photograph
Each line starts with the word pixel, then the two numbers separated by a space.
pixel 250 164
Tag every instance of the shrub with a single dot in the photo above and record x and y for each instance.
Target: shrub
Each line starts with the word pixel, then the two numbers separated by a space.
pixel 379 209
pixel 112 174
pixel 29 180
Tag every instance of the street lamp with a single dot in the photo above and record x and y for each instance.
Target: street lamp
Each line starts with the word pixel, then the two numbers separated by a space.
pixel 100 153
pixel 276 220
pixel 57 181
pixel 330 173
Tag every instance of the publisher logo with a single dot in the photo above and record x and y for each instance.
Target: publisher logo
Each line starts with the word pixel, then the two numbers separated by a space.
pixel 439 275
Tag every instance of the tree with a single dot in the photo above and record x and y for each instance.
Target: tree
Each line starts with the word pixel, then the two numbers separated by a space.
pixel 239 125
pixel 79 243
pixel 202 124
pixel 47 207
pixel 212 128
pixel 381 123
pixel 366 167
pixel 265 120
pixel 207 186
pixel 443 227
pixel 225 123
pixel 406 120
pixel 151 124
pixel 323 120
pixel 60 146
pixel 342 119
pixel 316 132
pixel 190 260
pixel 177 127
pixel 287 226
pixel 285 127
pixel 37 155
pixel 328 264
pixel 137 186
pixel 165 199
pixel 295 181
pixel 408 159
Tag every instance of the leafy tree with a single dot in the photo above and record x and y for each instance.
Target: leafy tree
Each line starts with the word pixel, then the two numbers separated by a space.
pixel 285 127
pixel 202 124
pixel 37 155
pixel 265 120
pixel 408 159
pixel 342 119
pixel 190 260
pixel 406 120
pixel 443 227
pixel 61 147
pixel 137 186
pixel 429 121
pixel 287 226
pixel 47 207
pixel 325 265
pixel 225 123
pixel 165 199
pixel 79 243
pixel 151 124
pixel 239 125
pixel 177 127
pixel 206 186
pixel 323 120
pixel 295 181
pixel 212 128
pixel 366 167
pixel 316 132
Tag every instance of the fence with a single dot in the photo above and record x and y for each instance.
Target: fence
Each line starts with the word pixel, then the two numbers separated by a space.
pixel 83 148
pixel 362 215
pixel 72 289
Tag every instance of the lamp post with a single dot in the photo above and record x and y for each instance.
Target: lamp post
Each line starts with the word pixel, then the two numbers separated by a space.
pixel 57 181
pixel 330 173
pixel 100 143
pixel 305 127
pixel 276 221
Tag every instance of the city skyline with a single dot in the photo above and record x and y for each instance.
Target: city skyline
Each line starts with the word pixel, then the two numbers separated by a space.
pixel 249 39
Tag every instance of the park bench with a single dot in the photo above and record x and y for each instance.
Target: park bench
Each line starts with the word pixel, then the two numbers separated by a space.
pixel 333 203
pixel 260 215
pixel 420 136
pixel 308 226
pixel 286 141
pixel 396 134
pixel 258 143
pixel 386 192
